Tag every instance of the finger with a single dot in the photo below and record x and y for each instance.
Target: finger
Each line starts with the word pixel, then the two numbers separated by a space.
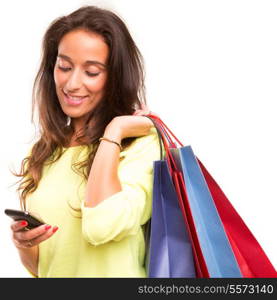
pixel 32 233
pixel 147 112
pixel 152 113
pixel 46 235
pixel 142 112
pixel 18 225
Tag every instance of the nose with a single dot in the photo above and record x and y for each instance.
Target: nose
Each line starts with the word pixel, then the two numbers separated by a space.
pixel 74 81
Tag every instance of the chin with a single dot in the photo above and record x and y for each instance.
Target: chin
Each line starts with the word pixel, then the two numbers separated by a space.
pixel 76 115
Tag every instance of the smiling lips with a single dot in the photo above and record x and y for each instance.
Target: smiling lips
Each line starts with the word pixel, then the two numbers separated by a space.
pixel 74 100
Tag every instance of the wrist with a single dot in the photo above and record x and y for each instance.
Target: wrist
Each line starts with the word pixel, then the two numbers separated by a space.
pixel 113 133
pixel 111 141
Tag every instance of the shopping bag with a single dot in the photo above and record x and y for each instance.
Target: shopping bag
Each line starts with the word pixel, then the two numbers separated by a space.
pixel 251 257
pixel 170 252
pixel 177 179
pixel 215 245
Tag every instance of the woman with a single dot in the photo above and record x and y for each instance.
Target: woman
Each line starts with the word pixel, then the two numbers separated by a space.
pixel 89 175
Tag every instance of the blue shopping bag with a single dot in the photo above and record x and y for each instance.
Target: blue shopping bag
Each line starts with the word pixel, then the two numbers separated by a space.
pixel 214 243
pixel 170 252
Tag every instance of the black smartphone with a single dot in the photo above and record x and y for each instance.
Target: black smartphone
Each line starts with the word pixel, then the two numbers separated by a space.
pixel 18 215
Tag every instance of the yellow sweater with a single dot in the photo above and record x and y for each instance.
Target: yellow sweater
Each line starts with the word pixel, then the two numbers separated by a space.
pixel 103 241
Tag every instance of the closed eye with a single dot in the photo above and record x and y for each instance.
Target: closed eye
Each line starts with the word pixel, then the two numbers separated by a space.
pixel 64 69
pixel 91 74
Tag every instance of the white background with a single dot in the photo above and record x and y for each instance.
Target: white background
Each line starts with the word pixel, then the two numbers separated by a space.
pixel 211 76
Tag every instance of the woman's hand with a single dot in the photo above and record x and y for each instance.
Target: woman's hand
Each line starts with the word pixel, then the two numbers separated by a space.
pixel 29 238
pixel 129 126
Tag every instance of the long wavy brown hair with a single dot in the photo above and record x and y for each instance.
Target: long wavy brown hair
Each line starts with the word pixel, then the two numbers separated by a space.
pixel 124 93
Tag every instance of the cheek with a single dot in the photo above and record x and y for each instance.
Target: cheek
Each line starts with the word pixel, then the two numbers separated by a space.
pixel 59 78
pixel 96 85
pixel 56 79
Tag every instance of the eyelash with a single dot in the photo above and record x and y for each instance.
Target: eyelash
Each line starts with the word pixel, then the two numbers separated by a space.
pixel 88 73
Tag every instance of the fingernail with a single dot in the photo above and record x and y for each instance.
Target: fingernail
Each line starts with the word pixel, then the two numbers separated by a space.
pixel 24 223
pixel 47 227
pixel 55 229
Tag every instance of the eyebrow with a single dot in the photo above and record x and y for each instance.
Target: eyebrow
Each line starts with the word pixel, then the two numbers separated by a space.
pixel 88 62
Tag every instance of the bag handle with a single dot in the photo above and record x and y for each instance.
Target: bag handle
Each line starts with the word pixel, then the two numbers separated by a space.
pixel 159 136
pixel 164 138
pixel 169 133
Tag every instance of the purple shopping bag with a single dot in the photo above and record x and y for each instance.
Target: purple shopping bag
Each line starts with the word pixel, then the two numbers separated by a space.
pixel 170 252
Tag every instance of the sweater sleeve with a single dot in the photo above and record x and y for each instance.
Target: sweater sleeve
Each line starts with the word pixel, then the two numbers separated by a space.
pixel 123 213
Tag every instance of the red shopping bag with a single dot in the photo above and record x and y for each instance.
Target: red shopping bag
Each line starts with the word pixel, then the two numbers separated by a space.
pixel 251 257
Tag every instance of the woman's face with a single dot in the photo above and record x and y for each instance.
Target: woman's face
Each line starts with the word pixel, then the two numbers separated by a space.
pixel 80 73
